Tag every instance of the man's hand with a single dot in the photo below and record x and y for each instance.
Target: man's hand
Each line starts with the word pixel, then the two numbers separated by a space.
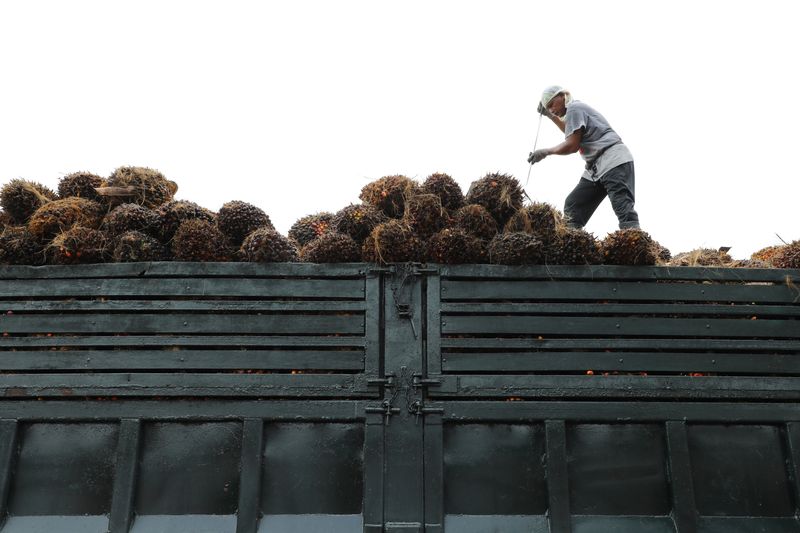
pixel 542 110
pixel 538 155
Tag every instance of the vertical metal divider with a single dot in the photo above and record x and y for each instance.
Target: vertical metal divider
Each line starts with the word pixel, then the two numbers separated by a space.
pixel 793 448
pixel 374 472
pixel 122 502
pixel 250 476
pixel 684 510
pixel 374 430
pixel 433 339
pixel 373 325
pixel 8 449
pixel 433 442
pixel 557 476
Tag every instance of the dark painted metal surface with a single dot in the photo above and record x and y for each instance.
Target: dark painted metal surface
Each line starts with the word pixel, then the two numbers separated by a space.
pixel 342 398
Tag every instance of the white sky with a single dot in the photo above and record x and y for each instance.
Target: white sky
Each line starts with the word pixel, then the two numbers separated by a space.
pixel 295 105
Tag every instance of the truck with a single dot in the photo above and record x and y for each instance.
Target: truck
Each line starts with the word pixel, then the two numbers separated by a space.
pixel 407 398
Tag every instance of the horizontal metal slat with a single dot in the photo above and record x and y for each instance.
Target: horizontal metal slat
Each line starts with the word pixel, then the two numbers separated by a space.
pixel 185 288
pixel 642 387
pixel 597 309
pixel 741 363
pixel 139 341
pixel 181 384
pixel 224 305
pixel 133 360
pixel 600 272
pixel 178 269
pixel 279 324
pixel 616 291
pixel 619 326
pixel 732 345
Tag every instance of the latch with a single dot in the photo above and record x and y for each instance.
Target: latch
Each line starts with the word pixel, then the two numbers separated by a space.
pixel 418 382
pixel 385 409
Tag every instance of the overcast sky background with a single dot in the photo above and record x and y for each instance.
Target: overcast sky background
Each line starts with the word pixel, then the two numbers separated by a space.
pixel 295 105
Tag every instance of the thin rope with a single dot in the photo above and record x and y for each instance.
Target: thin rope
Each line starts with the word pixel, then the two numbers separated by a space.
pixel 535 142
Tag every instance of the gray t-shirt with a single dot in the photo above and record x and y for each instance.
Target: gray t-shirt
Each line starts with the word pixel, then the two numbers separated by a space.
pixel 597 135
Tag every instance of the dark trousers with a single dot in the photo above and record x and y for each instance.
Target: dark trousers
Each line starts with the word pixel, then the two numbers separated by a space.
pixel 617 184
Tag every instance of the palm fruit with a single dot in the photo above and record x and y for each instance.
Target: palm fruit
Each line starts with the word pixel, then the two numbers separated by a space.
pixel 425 215
pixel 630 246
pixel 389 194
pixel 391 242
pixel 134 246
pixel 476 220
pixel 132 217
pixel 539 219
pixel 309 227
pixel 663 255
pixel 518 248
pixel 456 246
pixel 150 187
pixel 18 246
pixel 199 240
pixel 766 254
pixel 575 247
pixel 500 194
pixel 60 215
pixel 76 245
pixel 80 184
pixel 266 245
pixel 748 263
pixel 446 188
pixel 21 198
pixel 331 247
pixel 173 213
pixel 358 221
pixel 788 256
pixel 237 219
pixel 701 257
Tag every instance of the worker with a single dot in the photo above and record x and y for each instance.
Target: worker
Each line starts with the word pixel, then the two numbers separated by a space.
pixel 609 163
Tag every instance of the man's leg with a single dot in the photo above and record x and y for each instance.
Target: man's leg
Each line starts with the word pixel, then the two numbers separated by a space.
pixel 619 183
pixel 582 202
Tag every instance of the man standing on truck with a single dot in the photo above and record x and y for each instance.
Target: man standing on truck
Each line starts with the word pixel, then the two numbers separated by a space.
pixel 609 163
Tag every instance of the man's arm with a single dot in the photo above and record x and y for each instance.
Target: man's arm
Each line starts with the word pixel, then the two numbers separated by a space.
pixel 570 145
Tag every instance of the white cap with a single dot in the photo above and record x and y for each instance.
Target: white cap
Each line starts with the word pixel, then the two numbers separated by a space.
pixel 550 93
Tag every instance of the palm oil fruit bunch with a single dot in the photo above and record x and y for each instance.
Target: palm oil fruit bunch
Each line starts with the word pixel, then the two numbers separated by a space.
pixel 517 248
pixel 5 220
pixel 476 220
pixel 425 214
pixel 21 198
pixel 18 246
pixel 78 245
pixel 237 219
pixel 539 219
pixel 266 245
pixel 199 240
pixel 80 184
pixel 630 246
pixel 150 187
pixel 358 221
pixel 767 254
pixel 787 256
pixel 331 247
pixel 701 257
pixel 391 242
pixel 131 217
pixel 500 194
pixel 455 246
pixel 309 227
pixel 173 213
pixel 134 246
pixel 389 194
pixel 446 188
pixel 575 247
pixel 60 215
